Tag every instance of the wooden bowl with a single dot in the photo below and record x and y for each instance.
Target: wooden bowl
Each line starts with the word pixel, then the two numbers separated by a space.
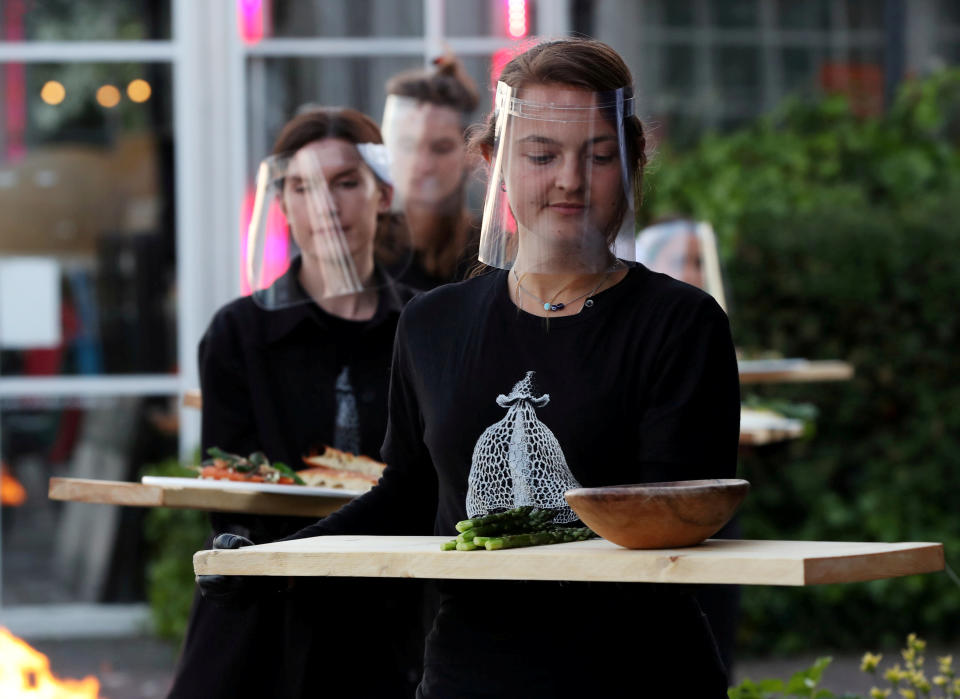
pixel 659 515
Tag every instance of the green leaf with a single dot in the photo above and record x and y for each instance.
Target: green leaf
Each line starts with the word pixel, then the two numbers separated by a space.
pixel 287 471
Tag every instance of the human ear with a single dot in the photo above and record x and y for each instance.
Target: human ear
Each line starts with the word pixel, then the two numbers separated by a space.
pixel 384 198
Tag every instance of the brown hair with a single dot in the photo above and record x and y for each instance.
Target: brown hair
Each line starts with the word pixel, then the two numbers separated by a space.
pixel 447 85
pixel 585 63
pixel 318 123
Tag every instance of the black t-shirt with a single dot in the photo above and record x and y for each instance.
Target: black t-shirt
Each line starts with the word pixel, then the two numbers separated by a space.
pixel 640 386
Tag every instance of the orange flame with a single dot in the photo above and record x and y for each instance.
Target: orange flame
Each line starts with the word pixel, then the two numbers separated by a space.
pixel 25 672
pixel 12 494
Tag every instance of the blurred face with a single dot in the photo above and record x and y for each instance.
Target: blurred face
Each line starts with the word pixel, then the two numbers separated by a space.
pixel 563 178
pixel 680 257
pixel 331 200
pixel 429 153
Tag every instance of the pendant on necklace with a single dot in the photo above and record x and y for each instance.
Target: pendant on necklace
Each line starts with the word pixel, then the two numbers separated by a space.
pixel 553 306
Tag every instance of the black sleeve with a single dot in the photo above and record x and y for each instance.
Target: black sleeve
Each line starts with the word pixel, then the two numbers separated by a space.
pixel 227 419
pixel 691 425
pixel 405 499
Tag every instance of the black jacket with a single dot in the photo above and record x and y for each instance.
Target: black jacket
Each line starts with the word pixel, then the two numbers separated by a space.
pixel 268 380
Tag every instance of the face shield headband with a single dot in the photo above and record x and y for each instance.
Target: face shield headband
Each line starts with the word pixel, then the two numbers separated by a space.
pixel 560 196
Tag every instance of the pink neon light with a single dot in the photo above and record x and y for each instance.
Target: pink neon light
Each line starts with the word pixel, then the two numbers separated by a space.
pixel 517 18
pixel 250 20
pixel 15 78
pixel 276 254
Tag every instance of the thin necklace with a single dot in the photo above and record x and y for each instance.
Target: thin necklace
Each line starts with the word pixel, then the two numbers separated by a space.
pixel 548 306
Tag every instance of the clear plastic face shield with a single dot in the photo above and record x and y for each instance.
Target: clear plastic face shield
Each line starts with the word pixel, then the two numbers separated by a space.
pixel 685 250
pixel 427 153
pixel 560 197
pixel 315 219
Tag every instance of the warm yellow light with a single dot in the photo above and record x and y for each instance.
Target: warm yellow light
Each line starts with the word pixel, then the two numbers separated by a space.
pixel 108 96
pixel 52 92
pixel 139 90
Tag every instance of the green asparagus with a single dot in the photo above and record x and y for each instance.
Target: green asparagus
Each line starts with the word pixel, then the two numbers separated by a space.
pixel 517 514
pixel 550 536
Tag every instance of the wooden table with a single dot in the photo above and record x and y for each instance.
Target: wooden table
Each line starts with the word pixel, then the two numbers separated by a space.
pixel 793 370
pixel 715 561
pixel 140 495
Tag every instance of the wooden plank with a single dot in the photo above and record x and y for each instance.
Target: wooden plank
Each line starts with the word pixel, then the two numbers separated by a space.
pixel 193 399
pixel 714 561
pixel 799 372
pixel 140 495
pixel 107 492
pixel 759 427
pixel 252 503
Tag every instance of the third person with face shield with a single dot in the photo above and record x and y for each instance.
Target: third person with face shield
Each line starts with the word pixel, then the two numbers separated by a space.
pixel 423 128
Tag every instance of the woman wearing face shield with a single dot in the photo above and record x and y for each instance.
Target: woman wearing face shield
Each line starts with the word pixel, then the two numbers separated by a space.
pixel 423 128
pixel 302 363
pixel 564 365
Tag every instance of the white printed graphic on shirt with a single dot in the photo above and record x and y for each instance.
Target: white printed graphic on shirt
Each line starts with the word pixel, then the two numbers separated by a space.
pixel 518 461
pixel 346 424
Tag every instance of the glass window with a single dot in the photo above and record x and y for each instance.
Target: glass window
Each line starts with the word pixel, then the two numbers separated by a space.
pixel 329 18
pixel 678 68
pixel 678 13
pixel 87 236
pixel 735 14
pixel 278 87
pixel 90 20
pixel 803 14
pixel 737 71
pixel 800 68
pixel 949 12
pixel 62 552
pixel 490 19
pixel 864 14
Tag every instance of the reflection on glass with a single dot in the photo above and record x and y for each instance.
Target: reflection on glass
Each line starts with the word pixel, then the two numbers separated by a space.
pixel 62 552
pixel 86 186
pixel 336 18
pixel 90 20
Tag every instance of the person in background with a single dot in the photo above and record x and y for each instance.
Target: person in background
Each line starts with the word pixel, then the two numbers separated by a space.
pixel 423 124
pixel 564 365
pixel 301 363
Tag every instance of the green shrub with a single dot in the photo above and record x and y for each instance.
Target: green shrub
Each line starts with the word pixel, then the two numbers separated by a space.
pixel 173 536
pixel 841 239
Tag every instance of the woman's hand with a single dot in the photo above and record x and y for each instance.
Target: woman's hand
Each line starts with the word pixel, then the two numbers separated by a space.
pixel 236 591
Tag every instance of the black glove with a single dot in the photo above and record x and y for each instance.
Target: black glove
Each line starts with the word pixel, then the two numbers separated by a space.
pixel 237 591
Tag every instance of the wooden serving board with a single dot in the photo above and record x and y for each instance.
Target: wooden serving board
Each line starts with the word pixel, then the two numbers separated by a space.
pixel 759 427
pixel 793 371
pixel 714 561
pixel 193 498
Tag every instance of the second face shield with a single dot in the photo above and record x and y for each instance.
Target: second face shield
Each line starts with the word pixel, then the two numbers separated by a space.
pixel 562 189
pixel 317 213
